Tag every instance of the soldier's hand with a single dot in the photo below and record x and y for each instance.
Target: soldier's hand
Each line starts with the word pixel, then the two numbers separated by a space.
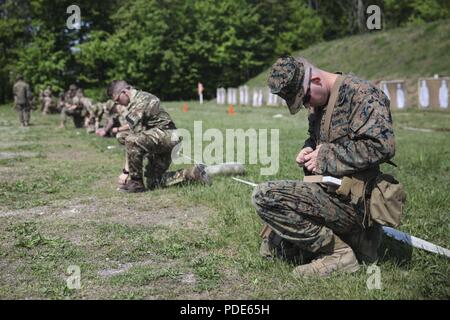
pixel 301 156
pixel 123 178
pixel 311 160
pixel 100 132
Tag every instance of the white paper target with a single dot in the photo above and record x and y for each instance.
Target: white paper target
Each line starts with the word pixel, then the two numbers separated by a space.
pixel 400 97
pixel 255 98
pixel 424 96
pixel 443 95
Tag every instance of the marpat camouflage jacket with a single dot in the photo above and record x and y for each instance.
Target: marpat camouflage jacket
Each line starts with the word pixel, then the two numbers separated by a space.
pixel 361 131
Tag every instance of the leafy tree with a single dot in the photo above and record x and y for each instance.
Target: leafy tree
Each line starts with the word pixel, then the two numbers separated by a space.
pixel 42 64
pixel 167 46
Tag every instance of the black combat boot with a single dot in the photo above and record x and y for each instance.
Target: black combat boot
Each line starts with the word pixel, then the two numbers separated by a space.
pixel 133 186
pixel 366 242
pixel 197 173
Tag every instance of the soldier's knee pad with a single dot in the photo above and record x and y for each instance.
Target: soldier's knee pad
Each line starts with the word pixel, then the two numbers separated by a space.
pixel 259 194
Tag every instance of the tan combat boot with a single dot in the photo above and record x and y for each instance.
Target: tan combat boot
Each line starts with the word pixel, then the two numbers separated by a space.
pixel 340 258
pixel 273 246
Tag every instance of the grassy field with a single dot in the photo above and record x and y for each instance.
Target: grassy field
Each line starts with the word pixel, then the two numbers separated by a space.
pixel 59 207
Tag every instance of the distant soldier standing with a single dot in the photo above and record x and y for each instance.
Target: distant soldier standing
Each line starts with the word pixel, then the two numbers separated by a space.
pixel 152 135
pixel 349 142
pixel 22 100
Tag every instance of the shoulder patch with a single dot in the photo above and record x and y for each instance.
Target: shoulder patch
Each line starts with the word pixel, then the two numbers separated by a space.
pixel 132 119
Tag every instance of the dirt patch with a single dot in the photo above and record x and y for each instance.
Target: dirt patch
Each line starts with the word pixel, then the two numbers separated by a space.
pixel 12 155
pixel 122 268
pixel 145 210
pixel 188 278
pixel 184 287
pixel 7 173
pixel 71 155
pixel 14 144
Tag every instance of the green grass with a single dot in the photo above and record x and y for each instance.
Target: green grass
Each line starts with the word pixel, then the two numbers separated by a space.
pixel 59 207
pixel 404 53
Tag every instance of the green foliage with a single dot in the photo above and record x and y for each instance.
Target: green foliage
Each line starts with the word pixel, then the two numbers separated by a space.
pixel 402 53
pixel 415 12
pixel 167 46
pixel 301 29
pixel 42 64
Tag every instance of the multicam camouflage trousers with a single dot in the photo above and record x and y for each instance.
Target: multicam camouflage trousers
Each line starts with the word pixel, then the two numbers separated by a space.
pixel 76 114
pixel 304 214
pixel 47 105
pixel 24 113
pixel 156 146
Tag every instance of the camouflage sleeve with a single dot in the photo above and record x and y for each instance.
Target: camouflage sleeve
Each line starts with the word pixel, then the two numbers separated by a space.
pixel 371 141
pixel 109 124
pixel 29 93
pixel 153 106
pixel 134 117
pixel 146 107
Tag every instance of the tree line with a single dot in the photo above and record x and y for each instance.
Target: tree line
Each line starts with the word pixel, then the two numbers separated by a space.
pixel 167 46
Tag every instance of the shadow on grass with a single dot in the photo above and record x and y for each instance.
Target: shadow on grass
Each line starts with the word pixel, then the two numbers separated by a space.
pixel 395 251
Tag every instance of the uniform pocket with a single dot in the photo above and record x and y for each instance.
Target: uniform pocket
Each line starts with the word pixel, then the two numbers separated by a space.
pixel 387 201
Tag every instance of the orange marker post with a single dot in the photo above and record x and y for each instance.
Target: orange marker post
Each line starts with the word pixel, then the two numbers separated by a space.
pixel 231 110
pixel 185 107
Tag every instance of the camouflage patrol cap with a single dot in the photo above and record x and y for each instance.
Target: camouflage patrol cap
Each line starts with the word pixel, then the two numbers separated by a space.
pixel 73 87
pixel 286 80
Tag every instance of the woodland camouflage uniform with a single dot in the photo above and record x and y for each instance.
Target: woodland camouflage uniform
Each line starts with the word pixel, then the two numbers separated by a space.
pixel 305 216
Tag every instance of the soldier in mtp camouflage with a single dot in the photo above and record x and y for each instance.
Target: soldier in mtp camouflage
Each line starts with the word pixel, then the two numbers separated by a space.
pixel 72 108
pixel 48 104
pixel 22 100
pixel 310 219
pixel 152 135
pixel 94 116
pixel 113 115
